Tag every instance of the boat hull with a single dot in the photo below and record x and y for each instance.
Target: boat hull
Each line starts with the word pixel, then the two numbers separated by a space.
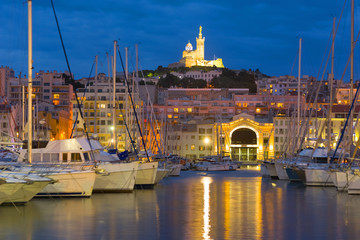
pixel 281 171
pixel 272 170
pixel 69 184
pixel 161 174
pixel 318 177
pixel 354 182
pixel 175 170
pixel 26 192
pixel 7 190
pixel 115 177
pixel 146 175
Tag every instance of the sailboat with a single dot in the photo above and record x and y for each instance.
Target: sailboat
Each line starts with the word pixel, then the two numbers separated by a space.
pixel 67 181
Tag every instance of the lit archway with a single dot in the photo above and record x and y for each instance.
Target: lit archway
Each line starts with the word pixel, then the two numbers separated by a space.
pixel 244 144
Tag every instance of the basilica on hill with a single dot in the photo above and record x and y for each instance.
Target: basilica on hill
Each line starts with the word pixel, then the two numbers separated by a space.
pixel 191 57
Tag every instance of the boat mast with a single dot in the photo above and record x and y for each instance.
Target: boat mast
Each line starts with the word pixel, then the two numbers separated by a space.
pixel 23 112
pixel 30 81
pixel 331 79
pixel 95 89
pixel 126 99
pixel 113 102
pixel 351 95
pixel 299 78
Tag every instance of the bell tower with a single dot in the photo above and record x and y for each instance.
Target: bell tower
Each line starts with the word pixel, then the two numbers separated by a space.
pixel 200 48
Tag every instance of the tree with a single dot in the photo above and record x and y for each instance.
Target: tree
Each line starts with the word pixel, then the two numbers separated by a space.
pixel 169 81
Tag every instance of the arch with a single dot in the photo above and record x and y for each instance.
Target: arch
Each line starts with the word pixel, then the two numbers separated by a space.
pixel 244 135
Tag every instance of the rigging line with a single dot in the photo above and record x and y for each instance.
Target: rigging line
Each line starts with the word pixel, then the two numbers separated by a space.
pixel 81 102
pixel 72 81
pixel 152 109
pixel 133 105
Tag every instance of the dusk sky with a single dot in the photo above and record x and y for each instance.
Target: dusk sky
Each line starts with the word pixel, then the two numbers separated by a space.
pixel 245 34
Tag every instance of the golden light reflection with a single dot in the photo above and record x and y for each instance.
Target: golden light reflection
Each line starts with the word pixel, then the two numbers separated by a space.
pixel 206 181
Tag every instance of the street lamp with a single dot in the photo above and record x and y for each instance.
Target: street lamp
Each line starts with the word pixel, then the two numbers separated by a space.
pixel 207 142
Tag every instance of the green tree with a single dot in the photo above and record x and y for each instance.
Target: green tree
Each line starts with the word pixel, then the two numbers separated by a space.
pixel 169 81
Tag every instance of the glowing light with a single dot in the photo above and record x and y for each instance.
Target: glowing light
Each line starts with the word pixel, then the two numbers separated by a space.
pixel 206 181
pixel 207 140
pixel 112 128
pixel 258 110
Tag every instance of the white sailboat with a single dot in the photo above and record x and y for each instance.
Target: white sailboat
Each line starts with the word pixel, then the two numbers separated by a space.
pixel 65 179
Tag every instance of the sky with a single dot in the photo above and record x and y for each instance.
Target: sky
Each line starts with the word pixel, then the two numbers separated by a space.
pixel 246 34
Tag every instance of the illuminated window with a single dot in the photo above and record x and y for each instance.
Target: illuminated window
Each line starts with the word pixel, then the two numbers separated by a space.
pixel 102 105
pixel 192 146
pixel 56 102
pixel 56 96
pixel 189 110
pixel 109 114
pixel 169 116
pixel 258 110
pixel 176 110
pixel 245 104
pixel 280 105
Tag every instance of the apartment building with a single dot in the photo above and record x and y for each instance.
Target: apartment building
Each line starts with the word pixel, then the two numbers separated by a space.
pixel 96 103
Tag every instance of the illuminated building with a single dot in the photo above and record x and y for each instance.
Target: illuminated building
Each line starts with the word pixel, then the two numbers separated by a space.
pixel 50 95
pixel 242 138
pixel 191 57
pixel 96 104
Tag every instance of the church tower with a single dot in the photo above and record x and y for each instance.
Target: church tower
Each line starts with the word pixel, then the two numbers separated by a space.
pixel 200 46
pixel 196 57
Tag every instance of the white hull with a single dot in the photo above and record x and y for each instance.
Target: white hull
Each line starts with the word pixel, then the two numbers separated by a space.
pixel 272 170
pixel 115 177
pixel 353 182
pixel 161 174
pixel 27 192
pixel 7 190
pixel 146 174
pixel 264 171
pixel 318 177
pixel 281 170
pixel 340 179
pixel 69 184
pixel 175 170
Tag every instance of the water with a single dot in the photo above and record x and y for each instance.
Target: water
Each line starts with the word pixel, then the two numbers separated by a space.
pixel 221 205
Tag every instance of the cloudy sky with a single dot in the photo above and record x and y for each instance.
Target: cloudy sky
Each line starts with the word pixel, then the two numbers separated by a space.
pixel 259 34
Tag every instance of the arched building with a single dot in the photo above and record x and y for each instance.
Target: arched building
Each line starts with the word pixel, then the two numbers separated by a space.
pixel 246 139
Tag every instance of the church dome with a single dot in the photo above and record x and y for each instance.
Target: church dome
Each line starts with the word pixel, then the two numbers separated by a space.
pixel 188 47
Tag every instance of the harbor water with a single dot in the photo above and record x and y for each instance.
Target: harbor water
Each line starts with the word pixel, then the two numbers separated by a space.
pixel 197 205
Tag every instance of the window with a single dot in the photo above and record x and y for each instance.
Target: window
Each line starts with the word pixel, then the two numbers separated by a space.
pixel 75 157
pixel 193 146
pixel 209 130
pixel 86 156
pixel 65 157
pixel 56 96
pixel 201 130
pixel 201 148
pixel 192 137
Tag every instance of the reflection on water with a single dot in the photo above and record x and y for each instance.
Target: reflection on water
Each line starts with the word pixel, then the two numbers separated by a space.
pixel 223 205
pixel 206 181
